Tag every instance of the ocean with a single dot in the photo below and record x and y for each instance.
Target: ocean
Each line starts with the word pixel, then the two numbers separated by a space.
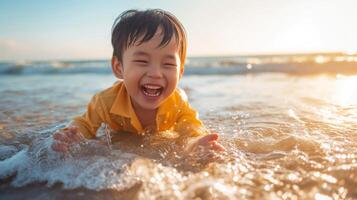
pixel 288 122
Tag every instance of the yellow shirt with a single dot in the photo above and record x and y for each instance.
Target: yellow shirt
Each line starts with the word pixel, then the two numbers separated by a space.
pixel 113 107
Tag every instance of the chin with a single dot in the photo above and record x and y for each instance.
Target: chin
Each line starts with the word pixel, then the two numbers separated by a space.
pixel 150 107
pixel 145 104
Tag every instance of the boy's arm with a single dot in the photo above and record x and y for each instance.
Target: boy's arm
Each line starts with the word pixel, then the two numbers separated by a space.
pixel 82 126
pixel 91 120
pixel 188 123
pixel 193 133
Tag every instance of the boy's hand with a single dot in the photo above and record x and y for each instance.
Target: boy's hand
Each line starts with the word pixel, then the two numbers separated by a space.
pixel 65 137
pixel 206 145
pixel 209 142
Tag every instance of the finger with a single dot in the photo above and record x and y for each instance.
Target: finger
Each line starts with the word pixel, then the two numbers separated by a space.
pixel 205 139
pixel 61 137
pixel 73 135
pixel 210 156
pixel 59 147
pixel 217 146
pixel 212 148
pixel 76 133
pixel 73 129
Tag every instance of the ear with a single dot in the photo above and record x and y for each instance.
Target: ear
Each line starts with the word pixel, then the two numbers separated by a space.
pixel 117 67
pixel 182 70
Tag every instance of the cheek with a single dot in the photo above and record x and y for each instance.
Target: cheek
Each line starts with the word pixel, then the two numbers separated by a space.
pixel 171 72
pixel 131 80
pixel 174 78
pixel 132 74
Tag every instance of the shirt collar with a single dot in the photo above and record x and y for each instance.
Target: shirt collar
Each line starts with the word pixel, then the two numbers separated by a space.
pixel 166 106
pixel 122 106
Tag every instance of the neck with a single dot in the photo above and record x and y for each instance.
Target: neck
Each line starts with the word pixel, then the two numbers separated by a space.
pixel 147 117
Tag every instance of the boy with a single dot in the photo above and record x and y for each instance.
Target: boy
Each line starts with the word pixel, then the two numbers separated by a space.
pixel 149 55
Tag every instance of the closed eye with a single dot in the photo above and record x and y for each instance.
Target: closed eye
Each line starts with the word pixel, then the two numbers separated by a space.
pixel 170 65
pixel 141 61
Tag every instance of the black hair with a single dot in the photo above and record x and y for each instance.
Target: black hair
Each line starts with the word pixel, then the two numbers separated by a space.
pixel 133 25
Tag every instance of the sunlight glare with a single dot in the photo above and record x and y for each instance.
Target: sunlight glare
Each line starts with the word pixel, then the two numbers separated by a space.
pixel 351 52
pixel 346 90
pixel 321 59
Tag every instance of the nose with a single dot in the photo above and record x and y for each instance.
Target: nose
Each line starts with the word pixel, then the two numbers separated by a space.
pixel 155 71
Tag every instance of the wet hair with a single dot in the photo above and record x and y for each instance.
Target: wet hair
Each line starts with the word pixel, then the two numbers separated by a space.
pixel 134 26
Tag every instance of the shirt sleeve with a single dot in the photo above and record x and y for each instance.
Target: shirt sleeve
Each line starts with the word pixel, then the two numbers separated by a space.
pixel 92 119
pixel 188 123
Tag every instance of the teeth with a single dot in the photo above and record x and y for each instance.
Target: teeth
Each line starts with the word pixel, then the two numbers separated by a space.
pixel 152 87
pixel 152 90
pixel 151 95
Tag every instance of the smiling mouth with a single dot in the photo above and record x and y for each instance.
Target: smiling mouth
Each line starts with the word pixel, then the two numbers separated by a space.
pixel 152 90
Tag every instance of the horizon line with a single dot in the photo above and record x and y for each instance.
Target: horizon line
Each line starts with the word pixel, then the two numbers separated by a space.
pixel 248 54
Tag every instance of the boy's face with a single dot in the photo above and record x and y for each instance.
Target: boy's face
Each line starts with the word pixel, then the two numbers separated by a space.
pixel 151 73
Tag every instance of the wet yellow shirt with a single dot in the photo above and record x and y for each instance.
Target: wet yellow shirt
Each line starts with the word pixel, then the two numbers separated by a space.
pixel 113 107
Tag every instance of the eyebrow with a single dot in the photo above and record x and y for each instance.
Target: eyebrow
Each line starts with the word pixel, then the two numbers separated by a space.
pixel 170 57
pixel 142 53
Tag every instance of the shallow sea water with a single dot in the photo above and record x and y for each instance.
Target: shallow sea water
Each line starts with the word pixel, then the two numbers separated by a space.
pixel 288 137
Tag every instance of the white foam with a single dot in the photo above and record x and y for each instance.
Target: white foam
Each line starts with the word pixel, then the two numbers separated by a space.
pixel 93 167
pixel 16 163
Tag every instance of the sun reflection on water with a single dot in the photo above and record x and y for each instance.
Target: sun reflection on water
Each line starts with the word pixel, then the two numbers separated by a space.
pixel 346 90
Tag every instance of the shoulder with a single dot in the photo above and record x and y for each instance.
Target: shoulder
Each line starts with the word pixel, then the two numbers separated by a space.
pixel 111 91
pixel 180 95
pixel 108 95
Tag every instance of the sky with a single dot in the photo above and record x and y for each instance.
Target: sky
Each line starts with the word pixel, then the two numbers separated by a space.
pixel 81 29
